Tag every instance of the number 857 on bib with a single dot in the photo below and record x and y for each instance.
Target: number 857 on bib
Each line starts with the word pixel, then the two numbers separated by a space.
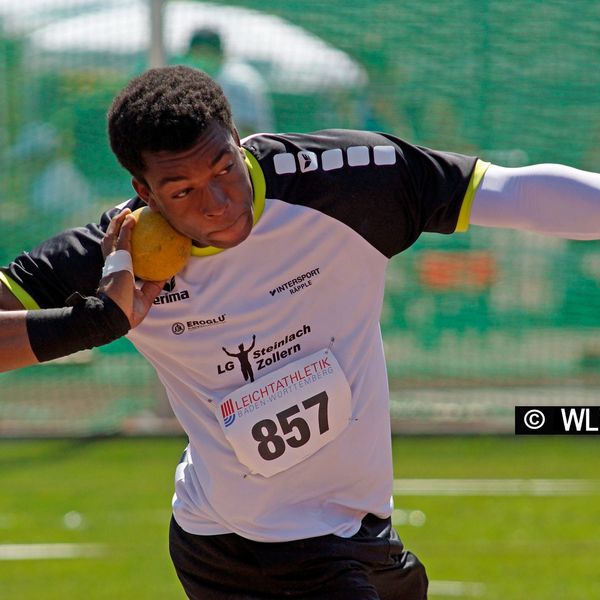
pixel 286 416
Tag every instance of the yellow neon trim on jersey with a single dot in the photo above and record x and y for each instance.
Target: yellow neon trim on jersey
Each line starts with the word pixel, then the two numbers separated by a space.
pixel 19 293
pixel 258 183
pixel 465 210
pixel 260 189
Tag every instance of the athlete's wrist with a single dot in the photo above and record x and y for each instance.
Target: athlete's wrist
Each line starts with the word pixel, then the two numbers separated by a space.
pixel 87 323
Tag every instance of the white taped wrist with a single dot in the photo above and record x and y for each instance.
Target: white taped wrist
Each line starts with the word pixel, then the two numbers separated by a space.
pixel 119 260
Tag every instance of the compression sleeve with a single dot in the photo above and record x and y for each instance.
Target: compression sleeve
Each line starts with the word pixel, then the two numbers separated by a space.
pixel 548 198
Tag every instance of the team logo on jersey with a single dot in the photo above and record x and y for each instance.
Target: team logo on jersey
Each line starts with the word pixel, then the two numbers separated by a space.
pixel 248 357
pixel 242 357
pixel 228 412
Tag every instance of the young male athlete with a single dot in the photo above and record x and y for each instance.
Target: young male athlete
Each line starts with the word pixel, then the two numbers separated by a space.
pixel 284 489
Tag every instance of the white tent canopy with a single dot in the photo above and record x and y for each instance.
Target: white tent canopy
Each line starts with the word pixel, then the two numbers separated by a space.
pixel 22 16
pixel 290 58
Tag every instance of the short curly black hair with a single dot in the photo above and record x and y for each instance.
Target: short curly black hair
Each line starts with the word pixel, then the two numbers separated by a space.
pixel 164 109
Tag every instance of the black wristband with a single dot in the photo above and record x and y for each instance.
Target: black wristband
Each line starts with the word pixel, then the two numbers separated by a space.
pixel 92 321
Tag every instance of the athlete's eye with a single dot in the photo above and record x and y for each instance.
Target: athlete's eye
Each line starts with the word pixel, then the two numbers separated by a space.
pixel 226 170
pixel 181 194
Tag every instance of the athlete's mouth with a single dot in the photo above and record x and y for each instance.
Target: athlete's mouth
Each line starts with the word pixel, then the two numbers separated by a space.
pixel 232 224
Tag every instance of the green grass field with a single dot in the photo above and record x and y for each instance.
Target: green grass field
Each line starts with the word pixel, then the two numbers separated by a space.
pixel 116 495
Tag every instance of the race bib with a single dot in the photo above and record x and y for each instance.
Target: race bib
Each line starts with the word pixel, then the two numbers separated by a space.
pixel 286 416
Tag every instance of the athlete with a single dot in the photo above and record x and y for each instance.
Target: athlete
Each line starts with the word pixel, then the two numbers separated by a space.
pixel 284 489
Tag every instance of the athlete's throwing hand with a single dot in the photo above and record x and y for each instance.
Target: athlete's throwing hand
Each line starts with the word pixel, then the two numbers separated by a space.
pixel 119 285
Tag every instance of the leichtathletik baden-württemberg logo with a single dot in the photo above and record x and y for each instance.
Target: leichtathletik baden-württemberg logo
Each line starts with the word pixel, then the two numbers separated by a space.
pixel 228 412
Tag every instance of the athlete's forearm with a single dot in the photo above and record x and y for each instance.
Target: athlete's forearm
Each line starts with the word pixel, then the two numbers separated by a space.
pixel 15 350
pixel 551 199
pixel 29 337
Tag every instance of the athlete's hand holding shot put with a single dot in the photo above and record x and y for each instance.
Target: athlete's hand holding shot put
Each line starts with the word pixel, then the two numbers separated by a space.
pixel 134 301
pixel 268 340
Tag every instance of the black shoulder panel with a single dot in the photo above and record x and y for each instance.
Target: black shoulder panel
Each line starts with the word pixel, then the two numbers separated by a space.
pixel 387 190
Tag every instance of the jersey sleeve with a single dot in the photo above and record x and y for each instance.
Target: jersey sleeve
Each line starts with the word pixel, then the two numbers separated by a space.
pixel 387 190
pixel 61 265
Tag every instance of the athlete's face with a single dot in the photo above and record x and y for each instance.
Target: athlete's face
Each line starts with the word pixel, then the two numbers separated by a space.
pixel 204 192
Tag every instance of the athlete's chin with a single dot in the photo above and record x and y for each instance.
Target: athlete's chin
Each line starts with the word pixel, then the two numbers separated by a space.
pixel 233 236
pixel 225 244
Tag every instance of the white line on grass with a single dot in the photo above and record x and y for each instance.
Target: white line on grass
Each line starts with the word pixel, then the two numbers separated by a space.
pixel 61 551
pixel 456 589
pixel 496 487
pixel 49 551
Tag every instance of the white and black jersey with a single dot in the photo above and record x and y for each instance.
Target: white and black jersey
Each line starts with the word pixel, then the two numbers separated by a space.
pixel 270 351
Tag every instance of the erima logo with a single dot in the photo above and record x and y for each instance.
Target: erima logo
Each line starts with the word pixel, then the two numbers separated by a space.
pixel 171 296
pixel 335 158
pixel 174 297
pixel 170 285
pixel 308 161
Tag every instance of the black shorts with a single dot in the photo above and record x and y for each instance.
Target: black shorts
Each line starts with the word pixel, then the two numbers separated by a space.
pixel 370 565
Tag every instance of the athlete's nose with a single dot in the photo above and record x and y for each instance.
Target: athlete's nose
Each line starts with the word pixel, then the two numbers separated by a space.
pixel 217 202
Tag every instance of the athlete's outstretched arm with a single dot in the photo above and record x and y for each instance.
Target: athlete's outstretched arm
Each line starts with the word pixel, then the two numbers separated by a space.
pixel 29 337
pixel 15 350
pixel 550 199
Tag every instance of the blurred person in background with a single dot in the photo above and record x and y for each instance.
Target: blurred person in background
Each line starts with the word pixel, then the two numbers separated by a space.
pixel 243 85
pixel 56 186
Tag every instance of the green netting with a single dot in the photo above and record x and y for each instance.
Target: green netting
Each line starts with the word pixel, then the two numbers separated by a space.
pixel 483 319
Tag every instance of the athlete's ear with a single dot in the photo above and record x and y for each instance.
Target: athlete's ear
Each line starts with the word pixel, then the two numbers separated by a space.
pixel 236 135
pixel 143 191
